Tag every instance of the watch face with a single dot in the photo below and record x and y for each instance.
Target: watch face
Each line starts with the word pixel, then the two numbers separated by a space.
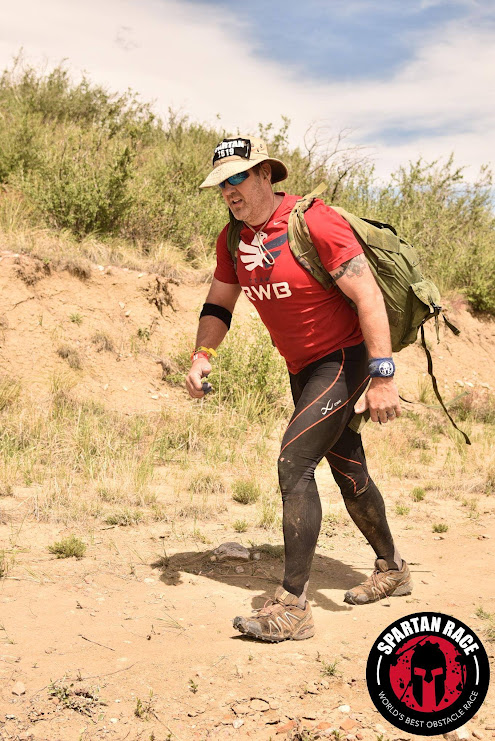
pixel 386 368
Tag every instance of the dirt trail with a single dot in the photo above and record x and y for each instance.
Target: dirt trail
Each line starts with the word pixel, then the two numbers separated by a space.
pixel 135 641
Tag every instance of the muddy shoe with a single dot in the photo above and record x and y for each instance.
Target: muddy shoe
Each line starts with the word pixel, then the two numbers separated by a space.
pixel 280 619
pixel 383 582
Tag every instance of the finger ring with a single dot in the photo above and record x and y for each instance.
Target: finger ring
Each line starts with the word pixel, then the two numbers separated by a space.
pixel 390 414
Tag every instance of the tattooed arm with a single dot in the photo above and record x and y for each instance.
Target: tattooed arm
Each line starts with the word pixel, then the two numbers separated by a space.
pixel 355 279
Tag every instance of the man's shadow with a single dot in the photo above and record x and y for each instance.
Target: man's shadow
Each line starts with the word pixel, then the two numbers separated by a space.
pixel 263 574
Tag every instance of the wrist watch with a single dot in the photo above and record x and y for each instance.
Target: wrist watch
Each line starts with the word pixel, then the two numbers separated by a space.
pixel 381 367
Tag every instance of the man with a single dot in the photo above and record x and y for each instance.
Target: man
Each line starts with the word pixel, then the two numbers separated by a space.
pixel 331 353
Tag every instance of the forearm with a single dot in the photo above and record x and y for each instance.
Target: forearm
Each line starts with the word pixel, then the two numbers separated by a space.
pixel 374 324
pixel 356 281
pixel 211 332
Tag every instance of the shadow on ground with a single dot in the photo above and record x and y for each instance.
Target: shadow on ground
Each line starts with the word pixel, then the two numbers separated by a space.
pixel 266 574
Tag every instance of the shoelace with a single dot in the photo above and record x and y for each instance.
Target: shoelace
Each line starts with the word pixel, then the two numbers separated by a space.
pixel 378 585
pixel 269 607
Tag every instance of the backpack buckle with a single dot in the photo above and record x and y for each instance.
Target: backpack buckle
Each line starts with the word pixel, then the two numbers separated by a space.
pixel 436 313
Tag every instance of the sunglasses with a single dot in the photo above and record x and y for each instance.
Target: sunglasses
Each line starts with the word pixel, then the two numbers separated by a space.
pixel 235 179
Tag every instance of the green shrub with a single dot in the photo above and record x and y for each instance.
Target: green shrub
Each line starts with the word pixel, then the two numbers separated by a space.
pixel 82 185
pixel 329 668
pixel 440 527
pixel 418 494
pixel 248 375
pixel 245 491
pixel 124 517
pixel 70 547
pixel 402 509
pixel 240 526
pixel 252 377
pixel 56 99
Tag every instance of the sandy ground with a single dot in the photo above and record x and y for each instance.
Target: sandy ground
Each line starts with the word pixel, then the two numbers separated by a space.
pixel 135 641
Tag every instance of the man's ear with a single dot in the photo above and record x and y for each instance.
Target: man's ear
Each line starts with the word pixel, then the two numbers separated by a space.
pixel 266 170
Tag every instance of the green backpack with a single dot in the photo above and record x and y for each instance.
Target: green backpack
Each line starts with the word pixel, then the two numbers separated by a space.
pixel 410 299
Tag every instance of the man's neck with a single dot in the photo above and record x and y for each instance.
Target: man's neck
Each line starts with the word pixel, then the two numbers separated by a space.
pixel 267 213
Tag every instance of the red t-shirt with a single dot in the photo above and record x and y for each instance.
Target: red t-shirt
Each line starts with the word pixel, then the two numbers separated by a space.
pixel 306 321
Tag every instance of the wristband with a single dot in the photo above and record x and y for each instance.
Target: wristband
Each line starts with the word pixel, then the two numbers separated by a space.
pixel 199 354
pixel 381 367
pixel 203 352
pixel 208 350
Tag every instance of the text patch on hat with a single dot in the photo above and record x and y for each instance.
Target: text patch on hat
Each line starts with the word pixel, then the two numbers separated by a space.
pixel 231 148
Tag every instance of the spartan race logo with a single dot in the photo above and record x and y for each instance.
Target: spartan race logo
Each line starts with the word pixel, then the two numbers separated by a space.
pixel 427 673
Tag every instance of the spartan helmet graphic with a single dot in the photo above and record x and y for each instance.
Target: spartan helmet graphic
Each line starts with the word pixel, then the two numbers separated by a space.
pixel 428 673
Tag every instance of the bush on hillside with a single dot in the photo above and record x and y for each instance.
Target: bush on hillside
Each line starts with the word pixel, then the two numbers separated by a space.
pixel 248 375
pixel 75 157
pixel 81 186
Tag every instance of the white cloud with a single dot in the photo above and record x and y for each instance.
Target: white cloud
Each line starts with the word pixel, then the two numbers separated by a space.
pixel 199 59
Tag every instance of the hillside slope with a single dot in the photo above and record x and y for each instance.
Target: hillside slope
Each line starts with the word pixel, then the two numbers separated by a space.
pixel 40 312
pixel 135 641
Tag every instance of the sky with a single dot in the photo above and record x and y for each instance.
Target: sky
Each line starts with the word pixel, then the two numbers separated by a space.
pixel 402 79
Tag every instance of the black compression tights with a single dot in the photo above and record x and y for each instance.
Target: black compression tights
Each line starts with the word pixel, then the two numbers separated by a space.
pixel 324 395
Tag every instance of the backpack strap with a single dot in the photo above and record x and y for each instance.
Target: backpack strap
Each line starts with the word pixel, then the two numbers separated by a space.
pixel 233 237
pixel 435 385
pixel 451 326
pixel 298 236
pixel 300 241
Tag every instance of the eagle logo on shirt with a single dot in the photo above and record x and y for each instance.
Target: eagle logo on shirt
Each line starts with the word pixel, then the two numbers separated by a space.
pixel 254 255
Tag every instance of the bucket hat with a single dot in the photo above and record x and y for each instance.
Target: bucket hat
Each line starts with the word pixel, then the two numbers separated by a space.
pixel 239 154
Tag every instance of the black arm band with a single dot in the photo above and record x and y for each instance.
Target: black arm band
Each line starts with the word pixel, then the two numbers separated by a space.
pixel 219 311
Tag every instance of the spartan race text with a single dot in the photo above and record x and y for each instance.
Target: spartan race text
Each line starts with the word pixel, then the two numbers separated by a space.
pixel 424 624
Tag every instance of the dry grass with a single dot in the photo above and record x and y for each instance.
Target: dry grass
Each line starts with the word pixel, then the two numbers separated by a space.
pixel 102 341
pixel 77 696
pixel 4 564
pixel 332 522
pixel 488 623
pixel 205 483
pixel 85 462
pixel 71 355
pixel 269 511
pixel 125 517
pixel 197 511
pixel 60 251
pixel 10 390
pixel 476 406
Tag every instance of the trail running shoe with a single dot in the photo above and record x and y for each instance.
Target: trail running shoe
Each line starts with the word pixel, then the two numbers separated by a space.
pixel 383 582
pixel 280 619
